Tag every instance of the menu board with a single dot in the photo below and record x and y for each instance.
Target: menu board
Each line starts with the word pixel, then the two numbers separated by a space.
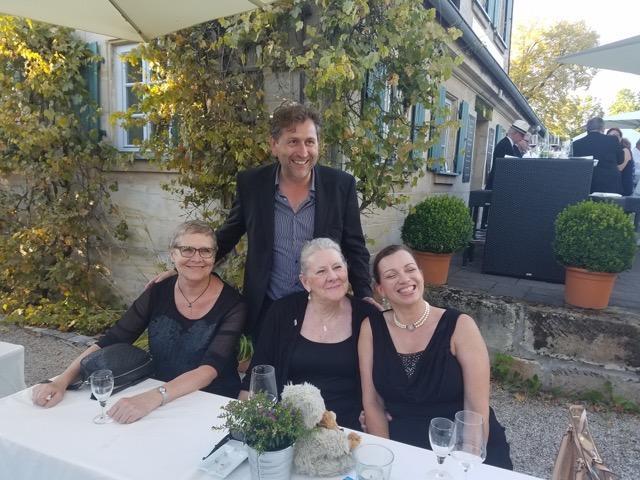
pixel 468 149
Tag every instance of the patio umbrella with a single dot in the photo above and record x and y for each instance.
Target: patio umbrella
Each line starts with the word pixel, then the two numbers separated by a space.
pixel 623 120
pixel 136 20
pixel 621 56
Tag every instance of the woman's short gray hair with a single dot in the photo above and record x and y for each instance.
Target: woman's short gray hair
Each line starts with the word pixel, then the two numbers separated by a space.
pixel 316 245
pixel 192 226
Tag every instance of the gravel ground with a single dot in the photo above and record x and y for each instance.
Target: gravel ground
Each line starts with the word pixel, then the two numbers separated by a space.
pixel 534 426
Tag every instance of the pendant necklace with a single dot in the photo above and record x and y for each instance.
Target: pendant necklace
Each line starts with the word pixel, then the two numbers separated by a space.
pixel 191 302
pixel 418 323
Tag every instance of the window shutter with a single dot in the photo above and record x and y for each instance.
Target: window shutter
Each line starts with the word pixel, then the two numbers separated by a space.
pixel 491 10
pixel 508 22
pixel 417 121
pixel 462 136
pixel 500 133
pixel 91 73
pixel 436 150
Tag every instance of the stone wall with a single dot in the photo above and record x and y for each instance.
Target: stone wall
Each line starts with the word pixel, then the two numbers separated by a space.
pixel 571 349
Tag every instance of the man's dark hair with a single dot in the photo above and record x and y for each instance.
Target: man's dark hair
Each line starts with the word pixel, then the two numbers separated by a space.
pixel 595 124
pixel 290 114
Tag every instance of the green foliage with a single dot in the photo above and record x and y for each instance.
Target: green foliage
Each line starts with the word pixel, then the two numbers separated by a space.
pixel 606 397
pixel 54 197
pixel 596 236
pixel 549 86
pixel 438 224
pixel 266 426
pixel 245 348
pixel 625 101
pixel 503 371
pixel 207 99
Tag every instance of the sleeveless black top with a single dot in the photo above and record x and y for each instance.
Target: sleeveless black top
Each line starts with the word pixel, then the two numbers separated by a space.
pixel 435 389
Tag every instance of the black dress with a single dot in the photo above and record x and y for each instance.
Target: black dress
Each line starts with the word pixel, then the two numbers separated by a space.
pixel 178 344
pixel 627 175
pixel 435 389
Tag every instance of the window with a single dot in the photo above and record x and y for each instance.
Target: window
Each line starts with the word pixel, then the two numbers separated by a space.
pixel 502 18
pixel 126 76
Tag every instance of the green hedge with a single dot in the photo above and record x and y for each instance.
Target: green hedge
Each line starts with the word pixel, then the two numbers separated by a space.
pixel 596 236
pixel 438 224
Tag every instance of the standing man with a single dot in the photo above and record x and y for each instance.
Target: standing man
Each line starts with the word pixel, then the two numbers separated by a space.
pixel 607 149
pixel 508 146
pixel 283 205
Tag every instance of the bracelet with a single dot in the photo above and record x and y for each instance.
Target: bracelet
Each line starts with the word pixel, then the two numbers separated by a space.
pixel 46 381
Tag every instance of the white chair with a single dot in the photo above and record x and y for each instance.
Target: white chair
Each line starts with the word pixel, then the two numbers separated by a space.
pixel 11 369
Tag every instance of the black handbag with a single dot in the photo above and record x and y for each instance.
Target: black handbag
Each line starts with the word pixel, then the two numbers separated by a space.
pixel 129 364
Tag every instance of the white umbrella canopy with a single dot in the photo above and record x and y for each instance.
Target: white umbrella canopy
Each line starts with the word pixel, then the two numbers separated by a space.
pixel 623 120
pixel 622 56
pixel 136 20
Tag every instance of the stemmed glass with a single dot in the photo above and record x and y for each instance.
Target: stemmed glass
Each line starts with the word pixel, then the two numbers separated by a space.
pixel 441 437
pixel 469 447
pixel 102 386
pixel 263 379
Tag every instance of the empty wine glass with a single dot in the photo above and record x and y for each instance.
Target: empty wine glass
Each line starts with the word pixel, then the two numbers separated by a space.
pixel 263 379
pixel 470 447
pixel 102 386
pixel 441 438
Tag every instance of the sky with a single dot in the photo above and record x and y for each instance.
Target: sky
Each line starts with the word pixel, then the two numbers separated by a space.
pixel 612 19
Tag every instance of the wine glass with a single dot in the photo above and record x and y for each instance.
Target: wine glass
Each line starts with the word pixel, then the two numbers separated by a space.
pixel 441 438
pixel 469 447
pixel 102 386
pixel 263 379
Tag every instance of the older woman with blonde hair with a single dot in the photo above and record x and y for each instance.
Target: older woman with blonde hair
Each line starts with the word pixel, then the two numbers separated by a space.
pixel 422 362
pixel 194 320
pixel 312 336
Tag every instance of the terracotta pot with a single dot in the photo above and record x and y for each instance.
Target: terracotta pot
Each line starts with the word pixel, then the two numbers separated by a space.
pixel 434 266
pixel 586 289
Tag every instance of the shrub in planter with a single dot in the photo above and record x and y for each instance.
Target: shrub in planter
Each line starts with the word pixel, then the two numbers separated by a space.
pixel 435 228
pixel 438 224
pixel 595 236
pixel 594 241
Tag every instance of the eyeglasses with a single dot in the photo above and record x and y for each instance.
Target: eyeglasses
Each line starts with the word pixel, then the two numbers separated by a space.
pixel 188 252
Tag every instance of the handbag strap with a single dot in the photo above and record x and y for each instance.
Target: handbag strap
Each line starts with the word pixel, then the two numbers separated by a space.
pixel 585 444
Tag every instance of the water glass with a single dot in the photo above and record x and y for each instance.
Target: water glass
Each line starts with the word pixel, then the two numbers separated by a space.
pixel 373 462
pixel 441 438
pixel 101 387
pixel 263 379
pixel 469 447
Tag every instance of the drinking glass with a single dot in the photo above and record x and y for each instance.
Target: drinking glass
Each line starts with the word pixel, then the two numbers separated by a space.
pixel 102 386
pixel 373 462
pixel 469 447
pixel 263 379
pixel 441 437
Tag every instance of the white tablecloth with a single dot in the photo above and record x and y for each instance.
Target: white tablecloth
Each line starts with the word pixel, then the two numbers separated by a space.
pixel 11 368
pixel 63 443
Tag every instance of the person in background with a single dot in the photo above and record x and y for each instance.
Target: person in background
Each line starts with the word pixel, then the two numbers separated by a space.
pixel 635 153
pixel 607 150
pixel 194 321
pixel 523 145
pixel 627 166
pixel 420 362
pixel 312 336
pixel 508 146
pixel 283 205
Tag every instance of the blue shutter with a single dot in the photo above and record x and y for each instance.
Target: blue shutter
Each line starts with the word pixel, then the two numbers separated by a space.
pixel 508 21
pixel 91 73
pixel 462 136
pixel 491 9
pixel 500 133
pixel 436 150
pixel 417 121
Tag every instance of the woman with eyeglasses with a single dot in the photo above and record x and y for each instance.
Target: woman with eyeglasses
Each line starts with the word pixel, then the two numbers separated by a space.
pixel 194 320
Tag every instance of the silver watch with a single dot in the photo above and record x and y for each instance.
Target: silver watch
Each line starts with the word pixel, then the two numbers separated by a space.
pixel 163 391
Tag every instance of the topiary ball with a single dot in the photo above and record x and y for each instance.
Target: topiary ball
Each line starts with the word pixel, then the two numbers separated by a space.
pixel 438 224
pixel 596 236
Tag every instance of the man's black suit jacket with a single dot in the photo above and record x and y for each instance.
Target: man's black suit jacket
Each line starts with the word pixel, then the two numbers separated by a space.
pixel 337 216
pixel 608 150
pixel 503 148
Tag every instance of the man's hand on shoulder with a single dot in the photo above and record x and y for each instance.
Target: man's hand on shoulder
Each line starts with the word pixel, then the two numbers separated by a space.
pixel 374 303
pixel 160 277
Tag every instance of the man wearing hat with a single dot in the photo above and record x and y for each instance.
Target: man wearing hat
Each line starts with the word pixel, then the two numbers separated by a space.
pixel 508 146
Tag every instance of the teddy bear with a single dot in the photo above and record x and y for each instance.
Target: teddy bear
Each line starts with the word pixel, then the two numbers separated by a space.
pixel 326 450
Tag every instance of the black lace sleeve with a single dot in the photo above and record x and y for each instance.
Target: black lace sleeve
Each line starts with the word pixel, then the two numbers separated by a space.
pixel 132 323
pixel 224 343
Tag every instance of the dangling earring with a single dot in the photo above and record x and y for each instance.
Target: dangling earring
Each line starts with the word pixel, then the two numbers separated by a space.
pixel 385 303
pixel 309 296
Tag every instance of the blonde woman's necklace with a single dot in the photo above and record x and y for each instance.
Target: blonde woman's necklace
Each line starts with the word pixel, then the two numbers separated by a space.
pixel 191 302
pixel 418 323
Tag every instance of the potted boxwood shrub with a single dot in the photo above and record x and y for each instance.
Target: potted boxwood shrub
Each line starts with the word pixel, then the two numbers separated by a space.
pixel 594 241
pixel 436 228
pixel 269 429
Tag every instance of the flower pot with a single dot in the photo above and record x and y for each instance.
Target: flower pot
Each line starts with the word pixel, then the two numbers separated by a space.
pixel 271 465
pixel 586 289
pixel 434 266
